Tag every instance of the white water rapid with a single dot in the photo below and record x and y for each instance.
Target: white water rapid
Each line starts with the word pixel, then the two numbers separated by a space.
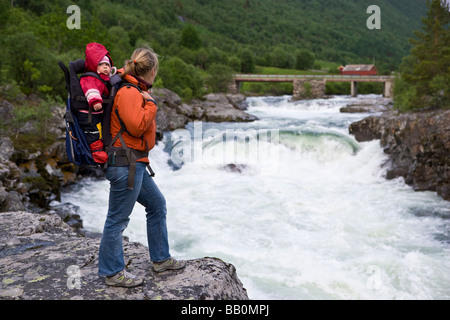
pixel 300 208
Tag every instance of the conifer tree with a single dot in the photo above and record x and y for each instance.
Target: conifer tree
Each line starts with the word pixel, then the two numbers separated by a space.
pixel 429 75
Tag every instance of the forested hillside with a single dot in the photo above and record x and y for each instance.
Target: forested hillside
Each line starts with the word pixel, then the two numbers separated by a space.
pixel 201 41
pixel 334 30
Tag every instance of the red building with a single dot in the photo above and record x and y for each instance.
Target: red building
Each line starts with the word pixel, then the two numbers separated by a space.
pixel 359 69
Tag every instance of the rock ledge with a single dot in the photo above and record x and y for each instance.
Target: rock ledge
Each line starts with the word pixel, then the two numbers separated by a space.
pixel 41 258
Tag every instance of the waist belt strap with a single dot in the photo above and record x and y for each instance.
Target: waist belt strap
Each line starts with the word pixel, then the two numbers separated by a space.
pixel 132 171
pixel 120 157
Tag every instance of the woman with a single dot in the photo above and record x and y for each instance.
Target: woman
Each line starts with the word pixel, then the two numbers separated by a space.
pixel 133 127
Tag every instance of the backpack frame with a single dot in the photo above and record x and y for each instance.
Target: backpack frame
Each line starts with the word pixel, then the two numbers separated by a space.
pixel 77 148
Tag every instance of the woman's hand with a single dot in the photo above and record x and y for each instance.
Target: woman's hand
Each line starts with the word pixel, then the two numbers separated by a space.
pixel 146 95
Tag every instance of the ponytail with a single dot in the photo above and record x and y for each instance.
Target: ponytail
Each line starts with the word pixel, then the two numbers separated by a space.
pixel 142 61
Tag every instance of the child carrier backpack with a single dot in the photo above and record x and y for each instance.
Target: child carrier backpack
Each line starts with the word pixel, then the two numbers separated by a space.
pixel 77 148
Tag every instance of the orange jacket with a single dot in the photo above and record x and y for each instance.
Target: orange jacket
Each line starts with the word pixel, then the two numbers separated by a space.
pixel 138 115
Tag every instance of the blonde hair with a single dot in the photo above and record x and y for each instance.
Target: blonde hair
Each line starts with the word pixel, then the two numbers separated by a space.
pixel 142 61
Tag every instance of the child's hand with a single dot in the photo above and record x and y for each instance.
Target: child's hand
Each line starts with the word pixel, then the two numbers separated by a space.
pixel 97 106
pixel 146 95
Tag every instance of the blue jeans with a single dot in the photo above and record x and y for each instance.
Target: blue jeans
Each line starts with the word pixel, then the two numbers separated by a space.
pixel 121 204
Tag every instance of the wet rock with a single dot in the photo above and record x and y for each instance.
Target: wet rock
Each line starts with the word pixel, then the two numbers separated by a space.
pixel 168 119
pixel 367 129
pixel 361 108
pixel 215 107
pixel 236 167
pixel 42 258
pixel 238 101
pixel 418 145
pixel 218 108
pixel 69 213
pixel 369 105
pixel 219 113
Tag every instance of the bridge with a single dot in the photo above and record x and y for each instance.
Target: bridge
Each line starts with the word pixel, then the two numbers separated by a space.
pixel 313 86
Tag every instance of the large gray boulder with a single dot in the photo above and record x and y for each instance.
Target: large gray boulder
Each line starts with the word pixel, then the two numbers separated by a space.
pixel 41 258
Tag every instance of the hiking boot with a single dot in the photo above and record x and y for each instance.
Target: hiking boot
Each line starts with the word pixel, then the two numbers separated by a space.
pixel 124 279
pixel 169 264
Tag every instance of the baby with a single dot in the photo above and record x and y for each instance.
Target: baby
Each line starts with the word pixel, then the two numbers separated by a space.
pixel 90 119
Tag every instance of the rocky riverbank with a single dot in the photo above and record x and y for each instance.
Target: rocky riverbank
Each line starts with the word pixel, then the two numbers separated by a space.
pixel 41 258
pixel 418 145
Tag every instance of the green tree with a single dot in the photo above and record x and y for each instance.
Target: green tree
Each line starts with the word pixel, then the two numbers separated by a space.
pixel 428 78
pixel 217 56
pixel 182 78
pixel 282 58
pixel 235 63
pixel 201 58
pixel 220 77
pixel 304 59
pixel 190 38
pixel 247 61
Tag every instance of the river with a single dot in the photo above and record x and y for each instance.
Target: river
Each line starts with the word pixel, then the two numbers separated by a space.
pixel 300 208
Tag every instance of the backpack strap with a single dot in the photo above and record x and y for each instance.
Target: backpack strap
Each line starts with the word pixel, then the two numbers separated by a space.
pixel 123 127
pixel 95 75
pixel 129 85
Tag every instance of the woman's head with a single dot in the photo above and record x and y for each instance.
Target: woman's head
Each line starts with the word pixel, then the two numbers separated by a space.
pixel 144 61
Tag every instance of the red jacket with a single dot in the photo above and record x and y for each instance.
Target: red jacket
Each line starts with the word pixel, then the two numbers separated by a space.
pixel 139 117
pixel 92 87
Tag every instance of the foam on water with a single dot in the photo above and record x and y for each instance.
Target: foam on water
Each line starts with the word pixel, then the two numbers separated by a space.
pixel 313 219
